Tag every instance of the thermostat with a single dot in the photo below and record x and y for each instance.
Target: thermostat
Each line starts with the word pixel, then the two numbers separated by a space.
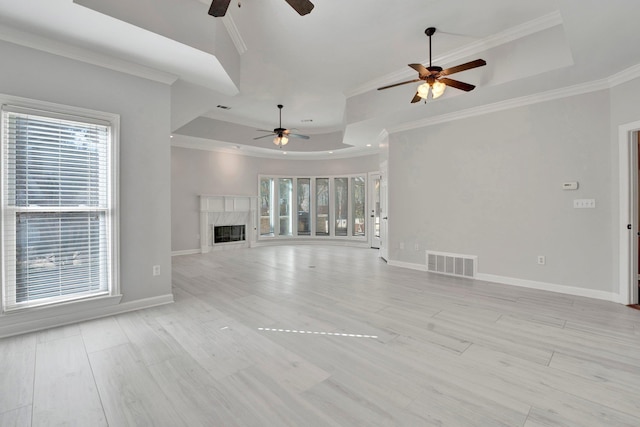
pixel 570 185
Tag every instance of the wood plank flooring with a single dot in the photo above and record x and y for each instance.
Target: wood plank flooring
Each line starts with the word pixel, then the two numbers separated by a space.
pixel 330 336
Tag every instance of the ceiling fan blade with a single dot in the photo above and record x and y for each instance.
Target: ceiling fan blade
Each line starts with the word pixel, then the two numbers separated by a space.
pixel 301 6
pixel 421 69
pixel 416 98
pixel 297 135
pixel 399 84
pixel 462 67
pixel 457 84
pixel 265 130
pixel 264 136
pixel 219 7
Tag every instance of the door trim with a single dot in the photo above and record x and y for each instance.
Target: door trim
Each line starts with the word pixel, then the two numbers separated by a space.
pixel 627 151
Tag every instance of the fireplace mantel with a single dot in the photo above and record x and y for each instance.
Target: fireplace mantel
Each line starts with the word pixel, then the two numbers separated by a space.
pixel 226 210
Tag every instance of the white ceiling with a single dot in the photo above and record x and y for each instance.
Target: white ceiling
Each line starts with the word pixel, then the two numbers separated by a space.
pixel 326 66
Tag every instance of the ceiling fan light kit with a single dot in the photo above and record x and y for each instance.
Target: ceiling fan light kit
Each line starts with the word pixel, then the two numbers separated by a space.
pixel 282 135
pixel 281 140
pixel 433 77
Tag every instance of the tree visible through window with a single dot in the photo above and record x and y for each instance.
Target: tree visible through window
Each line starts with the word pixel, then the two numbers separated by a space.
pixel 57 209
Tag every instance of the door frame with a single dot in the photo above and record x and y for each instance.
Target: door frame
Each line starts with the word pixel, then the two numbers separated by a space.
pixel 628 213
pixel 384 210
pixel 374 241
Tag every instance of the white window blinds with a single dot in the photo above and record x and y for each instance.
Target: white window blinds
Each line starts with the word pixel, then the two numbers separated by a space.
pixel 56 206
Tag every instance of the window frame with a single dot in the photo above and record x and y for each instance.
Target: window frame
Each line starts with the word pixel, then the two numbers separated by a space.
pixel 313 208
pixel 111 210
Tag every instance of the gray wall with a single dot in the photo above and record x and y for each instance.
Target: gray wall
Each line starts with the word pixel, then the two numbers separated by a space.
pixel 491 186
pixel 144 112
pixel 625 99
pixel 196 172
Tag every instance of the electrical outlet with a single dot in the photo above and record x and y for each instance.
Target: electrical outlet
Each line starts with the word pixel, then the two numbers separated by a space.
pixel 417 247
pixel 156 270
pixel 584 203
pixel 542 259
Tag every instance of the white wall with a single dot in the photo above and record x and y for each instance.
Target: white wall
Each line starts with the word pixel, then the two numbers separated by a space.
pixel 144 109
pixel 196 172
pixel 491 186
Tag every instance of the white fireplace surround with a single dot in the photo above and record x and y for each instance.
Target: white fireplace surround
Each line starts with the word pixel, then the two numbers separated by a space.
pixel 226 210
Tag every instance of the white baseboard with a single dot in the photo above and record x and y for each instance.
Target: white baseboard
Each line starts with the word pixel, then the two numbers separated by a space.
pixel 186 252
pixel 64 314
pixel 409 265
pixel 523 283
pixel 552 287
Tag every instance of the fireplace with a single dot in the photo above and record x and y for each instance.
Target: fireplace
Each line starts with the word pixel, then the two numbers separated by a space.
pixel 228 233
pixel 227 222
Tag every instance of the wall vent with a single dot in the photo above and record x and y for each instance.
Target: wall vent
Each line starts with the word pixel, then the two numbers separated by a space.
pixel 452 264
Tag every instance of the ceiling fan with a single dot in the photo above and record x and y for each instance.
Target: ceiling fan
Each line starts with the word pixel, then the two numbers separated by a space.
pixel 219 7
pixel 282 134
pixel 433 77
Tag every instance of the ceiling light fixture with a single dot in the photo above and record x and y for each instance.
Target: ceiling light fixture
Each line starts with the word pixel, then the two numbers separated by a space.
pixel 435 79
pixel 435 86
pixel 281 140
pixel 282 135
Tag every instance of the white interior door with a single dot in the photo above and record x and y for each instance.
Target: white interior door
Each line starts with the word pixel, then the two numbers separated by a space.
pixel 629 227
pixel 374 209
pixel 635 214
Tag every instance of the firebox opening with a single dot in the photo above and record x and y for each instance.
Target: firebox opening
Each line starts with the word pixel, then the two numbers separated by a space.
pixel 228 233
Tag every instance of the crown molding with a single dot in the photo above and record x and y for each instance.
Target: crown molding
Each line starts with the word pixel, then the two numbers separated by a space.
pixel 382 137
pixel 194 143
pixel 509 35
pixel 580 89
pixel 33 41
pixel 522 101
pixel 234 33
pixel 625 76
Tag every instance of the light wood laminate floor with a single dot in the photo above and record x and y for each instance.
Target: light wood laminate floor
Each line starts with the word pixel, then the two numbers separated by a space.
pixel 330 336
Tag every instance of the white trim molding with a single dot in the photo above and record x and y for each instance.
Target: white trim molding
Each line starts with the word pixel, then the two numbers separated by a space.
pixel 234 33
pixel 508 104
pixel 625 236
pixel 523 283
pixel 186 252
pixel 409 265
pixel 551 287
pixel 88 56
pixel 510 34
pixel 78 311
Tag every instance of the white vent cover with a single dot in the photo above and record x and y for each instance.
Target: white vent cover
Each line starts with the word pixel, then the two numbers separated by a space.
pixel 452 264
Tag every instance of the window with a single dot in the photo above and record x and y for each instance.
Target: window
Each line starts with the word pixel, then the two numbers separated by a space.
pixel 358 205
pixel 58 215
pixel 322 206
pixel 313 207
pixel 266 217
pixel 304 206
pixel 341 205
pixel 285 191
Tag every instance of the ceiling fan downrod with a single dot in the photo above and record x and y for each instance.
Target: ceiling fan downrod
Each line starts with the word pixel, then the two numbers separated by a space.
pixel 429 32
